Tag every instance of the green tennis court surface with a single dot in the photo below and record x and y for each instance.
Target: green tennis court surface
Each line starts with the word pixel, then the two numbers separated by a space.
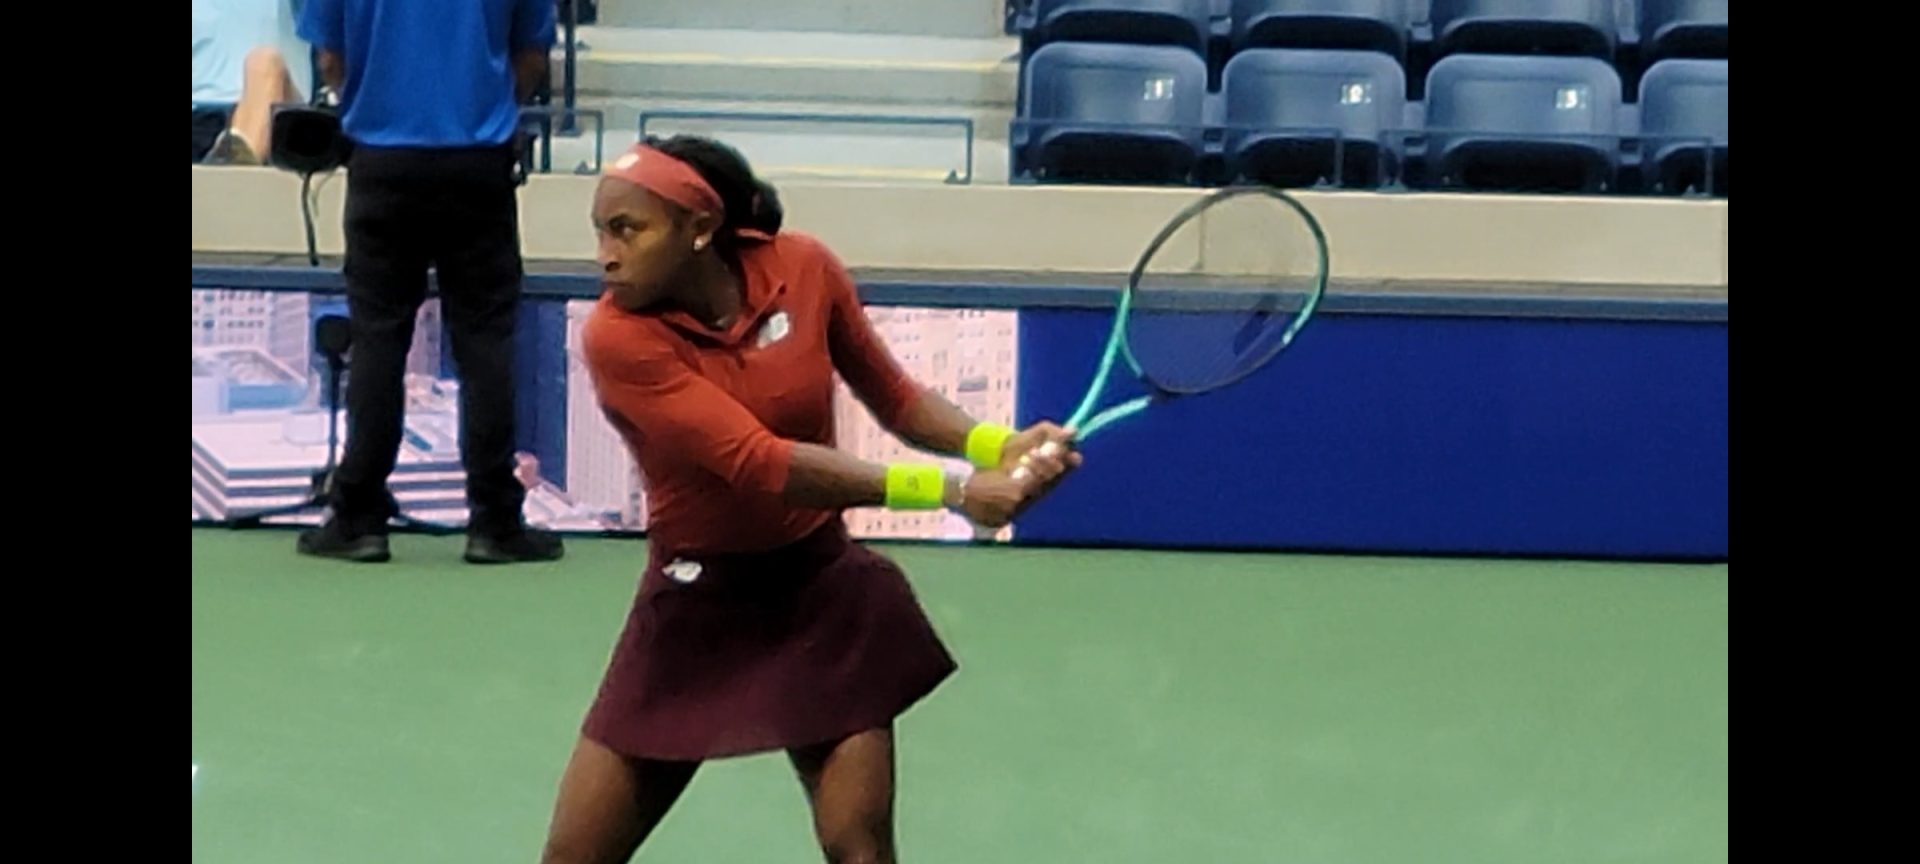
pixel 1111 707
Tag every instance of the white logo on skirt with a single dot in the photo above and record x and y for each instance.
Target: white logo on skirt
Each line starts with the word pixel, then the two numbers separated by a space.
pixel 683 571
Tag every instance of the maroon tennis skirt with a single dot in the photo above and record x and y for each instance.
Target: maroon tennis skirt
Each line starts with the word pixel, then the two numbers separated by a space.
pixel 735 654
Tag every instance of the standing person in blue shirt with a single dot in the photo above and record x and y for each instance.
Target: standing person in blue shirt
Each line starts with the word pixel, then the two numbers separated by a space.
pixel 430 94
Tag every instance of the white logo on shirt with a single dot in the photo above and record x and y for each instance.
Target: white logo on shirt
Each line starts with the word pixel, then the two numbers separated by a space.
pixel 775 329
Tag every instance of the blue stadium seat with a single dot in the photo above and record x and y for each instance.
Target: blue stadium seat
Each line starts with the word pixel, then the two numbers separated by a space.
pixel 1683 28
pixel 1575 27
pixel 1523 123
pixel 1112 112
pixel 1170 22
pixel 1285 110
pixel 1683 120
pixel 1361 25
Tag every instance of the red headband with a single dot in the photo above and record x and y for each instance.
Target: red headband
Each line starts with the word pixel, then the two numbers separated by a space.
pixel 667 177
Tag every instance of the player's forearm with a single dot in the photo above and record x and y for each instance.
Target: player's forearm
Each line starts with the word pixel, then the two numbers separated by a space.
pixel 933 424
pixel 823 478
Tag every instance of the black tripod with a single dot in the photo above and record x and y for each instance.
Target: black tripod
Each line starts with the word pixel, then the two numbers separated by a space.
pixel 332 336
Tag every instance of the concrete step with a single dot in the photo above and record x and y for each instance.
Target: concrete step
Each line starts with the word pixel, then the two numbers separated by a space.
pixel 623 112
pixel 965 18
pixel 797 67
pixel 817 147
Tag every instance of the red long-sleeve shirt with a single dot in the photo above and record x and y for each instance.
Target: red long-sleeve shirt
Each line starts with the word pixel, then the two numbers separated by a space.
pixel 711 416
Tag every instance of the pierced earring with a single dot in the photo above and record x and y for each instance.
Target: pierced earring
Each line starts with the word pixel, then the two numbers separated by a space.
pixel 699 245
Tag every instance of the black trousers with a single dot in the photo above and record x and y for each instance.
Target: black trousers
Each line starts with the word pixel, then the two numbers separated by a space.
pixel 456 210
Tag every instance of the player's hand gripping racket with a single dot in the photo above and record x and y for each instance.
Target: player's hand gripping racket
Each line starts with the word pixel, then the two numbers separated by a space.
pixel 1221 290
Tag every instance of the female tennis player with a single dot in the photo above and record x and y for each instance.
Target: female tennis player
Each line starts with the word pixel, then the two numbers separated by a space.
pixel 759 626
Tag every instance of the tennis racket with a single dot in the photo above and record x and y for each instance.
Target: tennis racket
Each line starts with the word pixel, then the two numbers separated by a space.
pixel 1221 290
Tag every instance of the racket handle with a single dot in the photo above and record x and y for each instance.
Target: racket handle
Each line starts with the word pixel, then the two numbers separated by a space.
pixel 1020 471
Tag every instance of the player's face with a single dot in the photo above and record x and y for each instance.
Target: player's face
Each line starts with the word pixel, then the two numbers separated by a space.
pixel 644 243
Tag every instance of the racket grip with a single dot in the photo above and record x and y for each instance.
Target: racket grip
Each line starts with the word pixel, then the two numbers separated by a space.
pixel 1020 471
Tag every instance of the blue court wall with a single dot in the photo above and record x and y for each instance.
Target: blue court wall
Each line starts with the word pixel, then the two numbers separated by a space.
pixel 1409 433
pixel 1420 424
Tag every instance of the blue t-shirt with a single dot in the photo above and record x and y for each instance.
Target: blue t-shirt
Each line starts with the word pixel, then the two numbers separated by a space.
pixel 223 32
pixel 428 73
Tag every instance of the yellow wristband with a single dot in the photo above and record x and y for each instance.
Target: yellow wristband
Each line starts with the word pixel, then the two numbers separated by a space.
pixel 985 443
pixel 915 487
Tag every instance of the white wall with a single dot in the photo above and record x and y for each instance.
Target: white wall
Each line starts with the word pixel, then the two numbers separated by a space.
pixel 1543 241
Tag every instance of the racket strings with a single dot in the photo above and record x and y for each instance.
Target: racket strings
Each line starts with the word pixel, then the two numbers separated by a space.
pixel 1224 291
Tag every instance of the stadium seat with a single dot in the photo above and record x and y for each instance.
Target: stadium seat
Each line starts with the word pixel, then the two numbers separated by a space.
pixel 1170 22
pixel 1683 28
pixel 1116 112
pixel 1683 120
pixel 1360 25
pixel 1571 27
pixel 1285 111
pixel 1546 123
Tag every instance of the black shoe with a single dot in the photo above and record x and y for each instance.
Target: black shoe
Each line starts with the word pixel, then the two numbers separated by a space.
pixel 335 540
pixel 523 545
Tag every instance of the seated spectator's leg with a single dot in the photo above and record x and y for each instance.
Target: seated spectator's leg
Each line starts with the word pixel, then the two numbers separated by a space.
pixel 267 84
